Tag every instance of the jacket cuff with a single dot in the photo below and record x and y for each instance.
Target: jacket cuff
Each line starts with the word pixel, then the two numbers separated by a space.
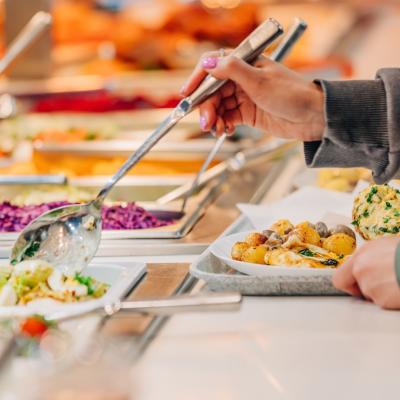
pixel 356 133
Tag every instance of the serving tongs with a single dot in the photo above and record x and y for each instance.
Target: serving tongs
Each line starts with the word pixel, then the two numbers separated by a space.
pixel 284 47
pixel 243 159
pixel 249 49
pixel 183 303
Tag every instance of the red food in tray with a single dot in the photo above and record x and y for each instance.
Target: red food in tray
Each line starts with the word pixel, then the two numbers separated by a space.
pixel 14 218
pixel 98 102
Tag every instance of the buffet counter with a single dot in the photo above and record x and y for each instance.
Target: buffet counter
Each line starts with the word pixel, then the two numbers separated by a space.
pixel 276 348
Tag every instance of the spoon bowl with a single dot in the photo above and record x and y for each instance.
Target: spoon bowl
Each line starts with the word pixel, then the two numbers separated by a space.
pixel 67 237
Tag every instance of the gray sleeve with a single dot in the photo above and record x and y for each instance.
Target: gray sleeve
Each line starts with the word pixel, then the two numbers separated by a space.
pixel 363 126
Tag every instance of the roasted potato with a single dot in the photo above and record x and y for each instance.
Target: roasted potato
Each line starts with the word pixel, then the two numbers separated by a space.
pixel 282 227
pixel 238 249
pixel 255 239
pixel 255 254
pixel 281 257
pixel 340 243
pixel 306 233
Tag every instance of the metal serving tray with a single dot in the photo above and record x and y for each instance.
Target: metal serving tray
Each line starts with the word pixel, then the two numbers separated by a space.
pixel 219 277
pixel 195 149
pixel 171 212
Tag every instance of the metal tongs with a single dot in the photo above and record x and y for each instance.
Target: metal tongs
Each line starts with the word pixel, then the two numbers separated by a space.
pixel 183 303
pixel 202 302
pixel 248 50
pixel 295 32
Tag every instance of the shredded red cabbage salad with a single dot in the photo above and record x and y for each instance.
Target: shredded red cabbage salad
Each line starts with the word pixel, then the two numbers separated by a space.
pixel 130 216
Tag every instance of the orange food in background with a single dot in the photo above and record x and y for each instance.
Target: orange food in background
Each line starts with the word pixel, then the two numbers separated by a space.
pixel 75 166
pixel 66 136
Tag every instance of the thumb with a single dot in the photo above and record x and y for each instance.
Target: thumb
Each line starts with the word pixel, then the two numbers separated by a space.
pixel 235 69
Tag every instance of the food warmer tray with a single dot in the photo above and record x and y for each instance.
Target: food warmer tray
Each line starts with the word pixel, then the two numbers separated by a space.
pixel 195 209
pixel 249 185
pixel 186 150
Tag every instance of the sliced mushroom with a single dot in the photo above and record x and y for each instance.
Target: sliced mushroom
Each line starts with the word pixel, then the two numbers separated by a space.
pixel 274 240
pixel 322 229
pixel 343 229
pixel 267 233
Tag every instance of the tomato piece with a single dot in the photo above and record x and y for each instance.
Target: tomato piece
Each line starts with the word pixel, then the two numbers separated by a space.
pixel 34 327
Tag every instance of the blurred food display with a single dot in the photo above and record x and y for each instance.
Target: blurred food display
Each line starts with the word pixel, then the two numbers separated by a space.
pixel 342 179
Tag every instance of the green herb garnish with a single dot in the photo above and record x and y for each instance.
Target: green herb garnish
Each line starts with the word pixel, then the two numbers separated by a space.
pixel 91 136
pixel 373 191
pixel 388 206
pixel 31 250
pixel 307 253
pixel 85 280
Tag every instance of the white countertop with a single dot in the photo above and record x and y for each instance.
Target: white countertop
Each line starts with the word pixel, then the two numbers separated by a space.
pixel 277 348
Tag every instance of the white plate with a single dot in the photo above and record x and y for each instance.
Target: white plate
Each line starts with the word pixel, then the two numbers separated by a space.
pixel 222 247
pixel 120 278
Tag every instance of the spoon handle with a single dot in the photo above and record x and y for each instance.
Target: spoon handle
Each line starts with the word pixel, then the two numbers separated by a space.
pixel 37 24
pixel 249 49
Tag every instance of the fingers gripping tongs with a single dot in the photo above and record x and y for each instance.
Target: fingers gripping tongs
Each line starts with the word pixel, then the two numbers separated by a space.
pixel 281 51
pixel 248 50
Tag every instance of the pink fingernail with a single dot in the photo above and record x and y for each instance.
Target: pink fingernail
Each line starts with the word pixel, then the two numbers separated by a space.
pixel 210 62
pixel 203 122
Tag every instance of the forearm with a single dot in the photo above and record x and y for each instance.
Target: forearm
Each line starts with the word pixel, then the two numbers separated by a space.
pixel 362 126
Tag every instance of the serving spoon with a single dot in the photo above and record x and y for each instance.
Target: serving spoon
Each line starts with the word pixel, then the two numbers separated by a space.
pixel 68 237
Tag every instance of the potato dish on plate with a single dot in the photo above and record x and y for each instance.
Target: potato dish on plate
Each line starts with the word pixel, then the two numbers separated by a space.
pixel 302 245
pixel 376 212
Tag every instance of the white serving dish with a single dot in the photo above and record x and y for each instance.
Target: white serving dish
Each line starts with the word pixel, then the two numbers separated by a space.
pixel 120 278
pixel 221 249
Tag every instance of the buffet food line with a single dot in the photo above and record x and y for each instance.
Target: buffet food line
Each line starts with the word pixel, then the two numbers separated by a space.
pixel 229 296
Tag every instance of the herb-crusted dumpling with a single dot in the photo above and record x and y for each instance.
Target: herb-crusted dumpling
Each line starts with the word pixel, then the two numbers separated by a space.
pixel 376 212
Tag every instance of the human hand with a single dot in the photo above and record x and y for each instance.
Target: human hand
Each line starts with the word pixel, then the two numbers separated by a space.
pixel 370 273
pixel 270 97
